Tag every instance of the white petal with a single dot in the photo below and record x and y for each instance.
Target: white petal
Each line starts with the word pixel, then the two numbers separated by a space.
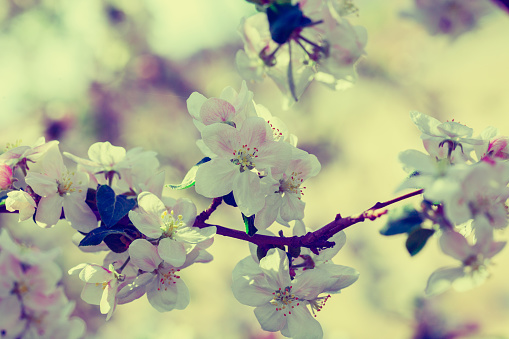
pixel 215 178
pixel 171 251
pixel 455 245
pixel 248 192
pixel 442 279
pixel 216 110
pixel 270 319
pixel 79 214
pixel 49 210
pixel 276 268
pixel 222 139
pixel 162 297
pixel 292 208
pixel 302 325
pixel 268 214
pixel 144 255
pixel 194 103
pixel 194 235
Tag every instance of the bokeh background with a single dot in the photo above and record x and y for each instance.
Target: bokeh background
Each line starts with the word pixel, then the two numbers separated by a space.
pixel 83 71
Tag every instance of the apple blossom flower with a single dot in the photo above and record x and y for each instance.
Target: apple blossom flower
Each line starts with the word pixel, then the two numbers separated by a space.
pixel 61 188
pixel 20 201
pixel 474 261
pixel 20 156
pixel 242 155
pixel 281 304
pixel 474 192
pixel 448 139
pixel 171 223
pixel 135 169
pixel 101 286
pixel 294 43
pixel 284 196
pixel 161 281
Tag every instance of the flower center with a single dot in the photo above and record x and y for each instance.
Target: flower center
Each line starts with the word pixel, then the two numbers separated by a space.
pixel 168 278
pixel 283 300
pixel 244 157
pixel 291 184
pixel 276 132
pixel 475 263
pixel 171 223
pixel 10 146
pixel 65 185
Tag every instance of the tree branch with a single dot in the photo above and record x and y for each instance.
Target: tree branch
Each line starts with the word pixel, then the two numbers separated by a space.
pixel 312 240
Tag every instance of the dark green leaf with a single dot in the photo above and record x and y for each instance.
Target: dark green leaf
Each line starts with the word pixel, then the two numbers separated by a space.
pixel 112 207
pixel 402 220
pixel 249 223
pixel 417 239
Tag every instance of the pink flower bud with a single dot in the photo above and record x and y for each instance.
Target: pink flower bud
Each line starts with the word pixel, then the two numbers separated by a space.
pixel 6 178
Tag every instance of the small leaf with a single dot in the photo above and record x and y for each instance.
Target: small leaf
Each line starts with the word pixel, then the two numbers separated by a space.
pixel 402 220
pixel 417 239
pixel 189 179
pixel 229 199
pixel 112 207
pixel 96 236
pixel 249 223
pixel 119 242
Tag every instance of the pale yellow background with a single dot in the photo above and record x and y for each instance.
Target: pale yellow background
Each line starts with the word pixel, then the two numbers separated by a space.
pixel 51 51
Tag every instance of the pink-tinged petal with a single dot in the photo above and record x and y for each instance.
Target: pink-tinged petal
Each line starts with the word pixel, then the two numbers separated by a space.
pixel 339 240
pixel 215 178
pixel 194 104
pixel 76 269
pixel 10 309
pixel 183 297
pixel 302 325
pixel 42 184
pixel 222 139
pixel 187 209
pixel 276 268
pixel 274 155
pixel 495 248
pixel 194 235
pixel 455 245
pixel 292 208
pixel 92 294
pixel 50 163
pixel 79 214
pixel 416 160
pixel 442 279
pixel 171 251
pixel 338 277
pixel 248 193
pixel 162 297
pixel 144 255
pixel 216 110
pixel 268 214
pixel 255 132
pixel 49 210
pixel 270 319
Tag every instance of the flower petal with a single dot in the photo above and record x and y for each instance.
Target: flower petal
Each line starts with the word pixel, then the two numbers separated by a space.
pixel 171 251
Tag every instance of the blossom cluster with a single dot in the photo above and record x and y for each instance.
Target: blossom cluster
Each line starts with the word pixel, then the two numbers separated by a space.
pixel 464 181
pixel 31 302
pixel 295 42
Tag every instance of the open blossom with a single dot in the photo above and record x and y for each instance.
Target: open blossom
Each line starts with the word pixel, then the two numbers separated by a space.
pixel 241 156
pixel 448 139
pixel 135 170
pixel 476 192
pixel 26 156
pixel 284 196
pixel 474 261
pixel 101 286
pixel 171 223
pixel 161 281
pixel 295 42
pixel 20 201
pixel 281 304
pixel 60 188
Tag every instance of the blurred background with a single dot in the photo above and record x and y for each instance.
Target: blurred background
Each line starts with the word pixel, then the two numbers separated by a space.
pixel 83 71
